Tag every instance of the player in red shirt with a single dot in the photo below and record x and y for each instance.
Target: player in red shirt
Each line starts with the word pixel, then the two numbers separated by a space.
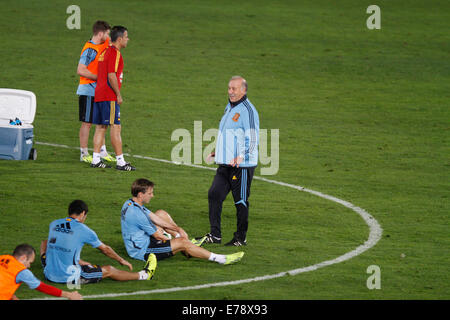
pixel 108 99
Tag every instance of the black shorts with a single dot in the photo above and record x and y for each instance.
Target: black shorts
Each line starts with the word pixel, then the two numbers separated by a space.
pixel 85 108
pixel 162 249
pixel 91 274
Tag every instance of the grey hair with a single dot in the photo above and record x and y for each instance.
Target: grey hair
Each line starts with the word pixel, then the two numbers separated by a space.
pixel 244 82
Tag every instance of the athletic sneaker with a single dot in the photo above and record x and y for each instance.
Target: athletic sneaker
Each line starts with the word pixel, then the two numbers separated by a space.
pixel 126 167
pixel 100 164
pixel 86 158
pixel 150 266
pixel 109 158
pixel 236 243
pixel 210 238
pixel 233 258
pixel 198 242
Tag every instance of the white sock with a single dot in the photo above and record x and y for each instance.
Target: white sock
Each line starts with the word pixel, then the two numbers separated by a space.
pixel 143 275
pixel 120 160
pixel 103 152
pixel 95 158
pixel 84 151
pixel 219 258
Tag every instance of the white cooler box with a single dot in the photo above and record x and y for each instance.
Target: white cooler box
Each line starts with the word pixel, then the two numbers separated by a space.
pixel 16 141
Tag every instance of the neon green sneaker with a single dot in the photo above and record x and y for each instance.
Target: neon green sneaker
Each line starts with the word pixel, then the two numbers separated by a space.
pixel 87 158
pixel 198 242
pixel 150 266
pixel 109 158
pixel 233 258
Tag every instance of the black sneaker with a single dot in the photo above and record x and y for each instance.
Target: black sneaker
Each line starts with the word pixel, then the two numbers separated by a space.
pixel 126 167
pixel 210 238
pixel 100 164
pixel 236 243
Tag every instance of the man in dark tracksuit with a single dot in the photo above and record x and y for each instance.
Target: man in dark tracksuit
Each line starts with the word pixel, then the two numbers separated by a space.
pixel 236 154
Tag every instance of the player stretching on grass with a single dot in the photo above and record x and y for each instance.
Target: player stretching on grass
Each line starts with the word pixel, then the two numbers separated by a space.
pixel 143 231
pixel 60 253
pixel 14 271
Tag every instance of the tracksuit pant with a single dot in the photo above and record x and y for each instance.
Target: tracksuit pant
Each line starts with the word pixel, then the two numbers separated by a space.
pixel 238 181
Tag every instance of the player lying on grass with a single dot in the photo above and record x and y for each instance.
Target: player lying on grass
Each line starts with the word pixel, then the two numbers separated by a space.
pixel 14 271
pixel 60 253
pixel 143 231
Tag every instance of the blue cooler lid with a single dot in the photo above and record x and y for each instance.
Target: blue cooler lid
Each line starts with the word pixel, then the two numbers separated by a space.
pixel 16 103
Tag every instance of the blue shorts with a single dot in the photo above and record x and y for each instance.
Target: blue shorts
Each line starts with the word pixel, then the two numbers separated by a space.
pixel 106 113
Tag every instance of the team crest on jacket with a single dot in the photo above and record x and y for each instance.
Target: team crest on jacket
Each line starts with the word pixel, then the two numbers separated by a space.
pixel 236 117
pixel 102 56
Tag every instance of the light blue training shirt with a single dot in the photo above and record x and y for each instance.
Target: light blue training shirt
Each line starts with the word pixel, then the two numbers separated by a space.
pixel 136 229
pixel 66 238
pixel 238 134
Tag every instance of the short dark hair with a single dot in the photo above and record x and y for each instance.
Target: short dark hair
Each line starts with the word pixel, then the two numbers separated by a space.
pixel 100 26
pixel 77 207
pixel 117 32
pixel 23 249
pixel 141 185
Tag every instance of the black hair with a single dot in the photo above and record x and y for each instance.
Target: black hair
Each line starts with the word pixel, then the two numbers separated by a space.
pixel 77 207
pixel 117 32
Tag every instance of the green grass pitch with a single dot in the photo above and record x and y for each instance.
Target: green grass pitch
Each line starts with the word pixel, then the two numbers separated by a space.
pixel 363 115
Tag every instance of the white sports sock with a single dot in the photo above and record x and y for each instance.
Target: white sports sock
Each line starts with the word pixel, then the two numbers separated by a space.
pixel 84 151
pixel 120 160
pixel 219 258
pixel 95 158
pixel 103 152
pixel 143 275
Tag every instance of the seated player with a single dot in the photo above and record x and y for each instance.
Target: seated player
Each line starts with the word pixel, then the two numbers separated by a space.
pixel 14 271
pixel 145 233
pixel 60 253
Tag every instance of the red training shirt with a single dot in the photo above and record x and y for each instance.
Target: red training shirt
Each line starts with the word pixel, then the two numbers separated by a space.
pixel 110 60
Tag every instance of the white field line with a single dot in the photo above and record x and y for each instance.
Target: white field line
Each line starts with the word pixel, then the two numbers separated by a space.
pixel 374 236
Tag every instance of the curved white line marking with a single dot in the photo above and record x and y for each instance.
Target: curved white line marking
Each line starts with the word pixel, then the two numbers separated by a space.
pixel 374 236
